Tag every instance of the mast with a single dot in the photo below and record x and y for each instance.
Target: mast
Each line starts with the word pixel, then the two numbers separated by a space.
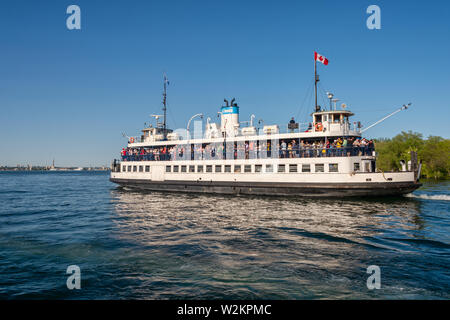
pixel 316 79
pixel 166 82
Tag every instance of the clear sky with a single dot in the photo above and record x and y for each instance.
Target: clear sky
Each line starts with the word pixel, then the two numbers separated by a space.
pixel 69 94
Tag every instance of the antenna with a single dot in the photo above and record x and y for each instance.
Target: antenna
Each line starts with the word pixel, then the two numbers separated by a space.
pixel 335 100
pixel 330 96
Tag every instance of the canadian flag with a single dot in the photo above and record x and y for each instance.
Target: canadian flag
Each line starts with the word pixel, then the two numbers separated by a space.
pixel 320 58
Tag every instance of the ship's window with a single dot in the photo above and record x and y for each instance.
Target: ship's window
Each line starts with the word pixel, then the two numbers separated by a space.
pixel 292 168
pixel 191 168
pixel 218 168
pixel 248 168
pixel 333 167
pixel 306 168
pixel 168 168
pixel 129 168
pixel 320 167
pixel 175 168
pixel 281 168
pixel 356 166
pixel 124 168
pixel 227 168
pixel 269 168
pixel 141 168
pixel 134 168
pixel 147 168
pixel 237 168
pixel 258 168
pixel 183 168
pixel 199 168
pixel 325 118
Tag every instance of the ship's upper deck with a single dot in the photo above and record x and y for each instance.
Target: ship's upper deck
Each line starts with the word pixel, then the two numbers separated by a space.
pixel 325 123
pixel 329 134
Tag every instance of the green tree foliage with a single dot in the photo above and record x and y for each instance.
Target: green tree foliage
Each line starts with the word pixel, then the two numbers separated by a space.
pixel 434 153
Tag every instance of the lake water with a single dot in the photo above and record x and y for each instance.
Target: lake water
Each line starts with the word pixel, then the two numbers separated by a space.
pixel 142 245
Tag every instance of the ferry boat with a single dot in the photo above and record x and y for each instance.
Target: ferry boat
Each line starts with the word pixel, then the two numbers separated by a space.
pixel 327 157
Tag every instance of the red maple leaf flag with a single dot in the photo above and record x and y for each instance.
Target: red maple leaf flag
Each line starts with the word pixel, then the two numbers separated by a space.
pixel 320 58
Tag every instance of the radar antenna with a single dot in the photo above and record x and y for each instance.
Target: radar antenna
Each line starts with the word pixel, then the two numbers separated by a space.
pixel 157 116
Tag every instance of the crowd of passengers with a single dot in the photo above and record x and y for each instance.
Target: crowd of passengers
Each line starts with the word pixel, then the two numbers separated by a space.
pixel 253 150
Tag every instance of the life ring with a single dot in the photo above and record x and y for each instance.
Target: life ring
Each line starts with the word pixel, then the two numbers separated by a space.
pixel 319 126
pixel 131 140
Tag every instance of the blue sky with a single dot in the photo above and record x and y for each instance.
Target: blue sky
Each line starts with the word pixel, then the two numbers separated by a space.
pixel 69 94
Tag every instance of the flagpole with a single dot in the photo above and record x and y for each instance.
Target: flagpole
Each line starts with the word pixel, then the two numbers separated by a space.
pixel 315 82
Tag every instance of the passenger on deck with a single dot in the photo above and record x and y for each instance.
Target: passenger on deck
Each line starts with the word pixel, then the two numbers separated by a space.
pixel 341 146
pixel 294 149
pixel 283 149
pixel 291 125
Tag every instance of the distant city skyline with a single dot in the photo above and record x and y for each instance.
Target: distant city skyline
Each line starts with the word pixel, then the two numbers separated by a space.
pixel 69 95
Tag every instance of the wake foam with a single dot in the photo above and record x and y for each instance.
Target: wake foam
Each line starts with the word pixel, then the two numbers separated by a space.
pixel 440 197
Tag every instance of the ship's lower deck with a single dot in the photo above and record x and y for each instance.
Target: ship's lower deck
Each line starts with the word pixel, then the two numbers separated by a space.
pixel 274 188
pixel 314 177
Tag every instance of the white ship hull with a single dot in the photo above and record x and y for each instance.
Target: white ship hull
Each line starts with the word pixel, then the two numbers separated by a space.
pixel 160 177
pixel 275 189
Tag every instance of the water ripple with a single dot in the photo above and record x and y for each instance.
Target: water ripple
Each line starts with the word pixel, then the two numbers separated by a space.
pixel 150 245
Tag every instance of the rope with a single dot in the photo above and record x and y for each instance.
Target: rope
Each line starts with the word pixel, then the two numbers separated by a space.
pixel 302 105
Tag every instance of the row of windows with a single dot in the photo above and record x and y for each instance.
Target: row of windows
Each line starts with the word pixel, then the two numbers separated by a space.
pixel 237 168
pixel 281 168
pixel 257 168
pixel 135 168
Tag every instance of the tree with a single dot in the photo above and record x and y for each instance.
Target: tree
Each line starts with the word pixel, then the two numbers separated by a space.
pixel 436 157
pixel 434 153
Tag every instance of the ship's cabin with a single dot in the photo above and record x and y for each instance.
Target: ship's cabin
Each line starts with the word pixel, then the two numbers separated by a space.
pixel 332 122
pixel 151 134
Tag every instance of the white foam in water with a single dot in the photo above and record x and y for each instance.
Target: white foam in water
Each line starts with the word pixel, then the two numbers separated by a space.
pixel 441 197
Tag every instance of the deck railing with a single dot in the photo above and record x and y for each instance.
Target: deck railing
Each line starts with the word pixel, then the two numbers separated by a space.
pixel 253 154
